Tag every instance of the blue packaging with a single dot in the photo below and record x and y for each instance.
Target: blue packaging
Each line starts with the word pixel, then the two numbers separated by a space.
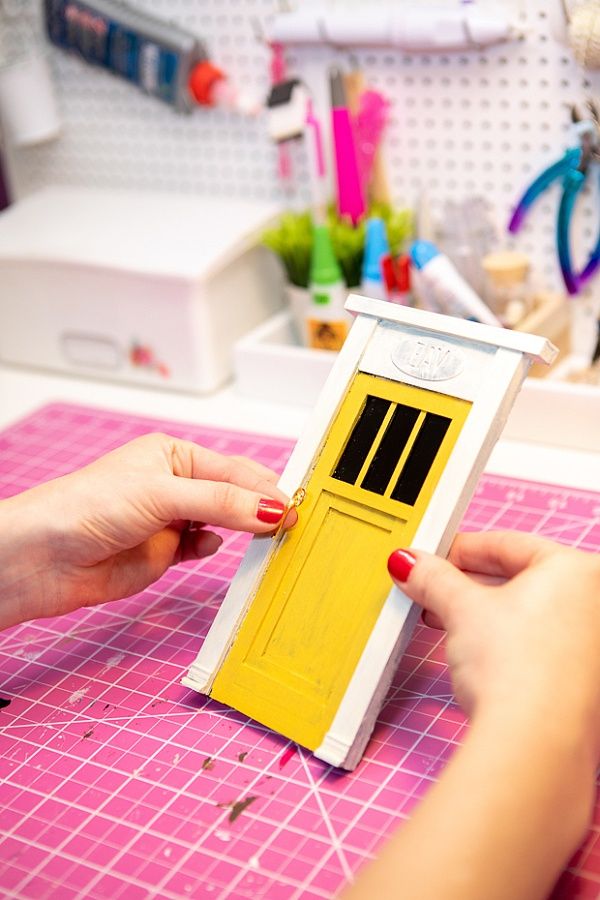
pixel 156 56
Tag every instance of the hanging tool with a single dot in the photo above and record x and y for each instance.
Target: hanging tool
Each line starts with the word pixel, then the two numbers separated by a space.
pixel 573 168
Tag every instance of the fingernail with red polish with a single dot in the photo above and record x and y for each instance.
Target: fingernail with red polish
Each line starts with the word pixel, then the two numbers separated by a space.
pixel 269 511
pixel 400 564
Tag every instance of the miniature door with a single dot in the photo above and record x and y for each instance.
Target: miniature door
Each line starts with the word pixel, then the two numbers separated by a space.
pixel 311 630
pixel 325 585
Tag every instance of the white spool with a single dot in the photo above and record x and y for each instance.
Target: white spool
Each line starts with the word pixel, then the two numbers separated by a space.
pixel 584 34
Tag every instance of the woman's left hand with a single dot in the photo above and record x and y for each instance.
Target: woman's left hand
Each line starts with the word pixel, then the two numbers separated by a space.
pixel 112 528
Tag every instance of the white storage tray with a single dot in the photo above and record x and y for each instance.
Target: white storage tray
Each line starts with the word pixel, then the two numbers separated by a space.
pixel 270 365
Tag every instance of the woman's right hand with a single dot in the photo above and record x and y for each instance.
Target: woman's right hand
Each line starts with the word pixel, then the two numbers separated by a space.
pixel 516 798
pixel 522 616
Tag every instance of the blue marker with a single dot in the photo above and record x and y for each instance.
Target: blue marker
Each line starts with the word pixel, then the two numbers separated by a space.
pixel 376 248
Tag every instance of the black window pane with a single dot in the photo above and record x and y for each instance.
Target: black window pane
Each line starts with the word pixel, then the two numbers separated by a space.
pixel 420 459
pixel 390 449
pixel 361 439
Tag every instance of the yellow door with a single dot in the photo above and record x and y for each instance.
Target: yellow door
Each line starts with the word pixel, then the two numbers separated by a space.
pixel 314 609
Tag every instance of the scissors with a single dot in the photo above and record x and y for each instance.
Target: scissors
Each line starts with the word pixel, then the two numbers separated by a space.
pixel 573 169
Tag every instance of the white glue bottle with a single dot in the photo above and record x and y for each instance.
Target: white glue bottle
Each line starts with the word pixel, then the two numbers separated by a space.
pixel 443 283
pixel 327 322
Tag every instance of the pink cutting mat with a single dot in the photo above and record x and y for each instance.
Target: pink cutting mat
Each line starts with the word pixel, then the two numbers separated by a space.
pixel 119 782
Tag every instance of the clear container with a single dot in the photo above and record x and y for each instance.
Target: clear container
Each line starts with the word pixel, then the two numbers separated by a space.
pixel 506 288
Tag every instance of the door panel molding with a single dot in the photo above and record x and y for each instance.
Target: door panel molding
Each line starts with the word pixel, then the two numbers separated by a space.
pixel 325 586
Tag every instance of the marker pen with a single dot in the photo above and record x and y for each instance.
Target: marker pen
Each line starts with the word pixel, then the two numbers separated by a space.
pixel 376 249
pixel 350 193
pixel 313 137
pixel 442 282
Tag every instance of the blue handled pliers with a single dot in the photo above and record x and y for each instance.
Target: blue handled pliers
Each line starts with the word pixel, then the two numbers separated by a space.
pixel 573 170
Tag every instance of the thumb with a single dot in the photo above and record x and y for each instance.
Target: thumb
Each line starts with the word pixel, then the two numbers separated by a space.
pixel 432 582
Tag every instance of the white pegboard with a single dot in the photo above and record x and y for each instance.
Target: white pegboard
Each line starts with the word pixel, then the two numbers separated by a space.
pixel 473 123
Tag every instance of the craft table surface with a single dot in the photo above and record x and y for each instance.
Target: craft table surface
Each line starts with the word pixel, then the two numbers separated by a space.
pixel 117 781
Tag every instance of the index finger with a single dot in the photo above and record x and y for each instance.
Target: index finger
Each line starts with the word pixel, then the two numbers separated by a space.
pixel 190 460
pixel 435 584
pixel 258 467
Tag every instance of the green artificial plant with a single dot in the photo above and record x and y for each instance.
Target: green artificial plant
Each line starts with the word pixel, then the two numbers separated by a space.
pixel 292 240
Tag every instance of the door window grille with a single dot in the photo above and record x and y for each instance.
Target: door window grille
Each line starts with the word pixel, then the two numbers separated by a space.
pixel 383 433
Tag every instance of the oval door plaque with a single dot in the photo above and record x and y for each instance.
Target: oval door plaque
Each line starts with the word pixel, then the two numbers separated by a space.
pixel 428 360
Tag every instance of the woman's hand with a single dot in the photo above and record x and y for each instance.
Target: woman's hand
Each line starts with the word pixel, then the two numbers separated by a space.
pixel 523 621
pixel 515 800
pixel 110 529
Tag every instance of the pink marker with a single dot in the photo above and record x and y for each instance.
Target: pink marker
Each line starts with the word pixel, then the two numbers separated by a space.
pixel 277 70
pixel 350 192
pixel 318 172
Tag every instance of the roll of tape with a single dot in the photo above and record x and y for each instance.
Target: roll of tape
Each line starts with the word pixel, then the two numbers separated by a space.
pixel 584 34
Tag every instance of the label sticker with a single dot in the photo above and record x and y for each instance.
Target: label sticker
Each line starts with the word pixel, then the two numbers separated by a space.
pixel 326 335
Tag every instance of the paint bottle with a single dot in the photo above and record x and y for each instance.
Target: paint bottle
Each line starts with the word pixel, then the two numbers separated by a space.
pixel 159 57
pixel 376 249
pixel 396 275
pixel 327 321
pixel 448 289
pixel 404 295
